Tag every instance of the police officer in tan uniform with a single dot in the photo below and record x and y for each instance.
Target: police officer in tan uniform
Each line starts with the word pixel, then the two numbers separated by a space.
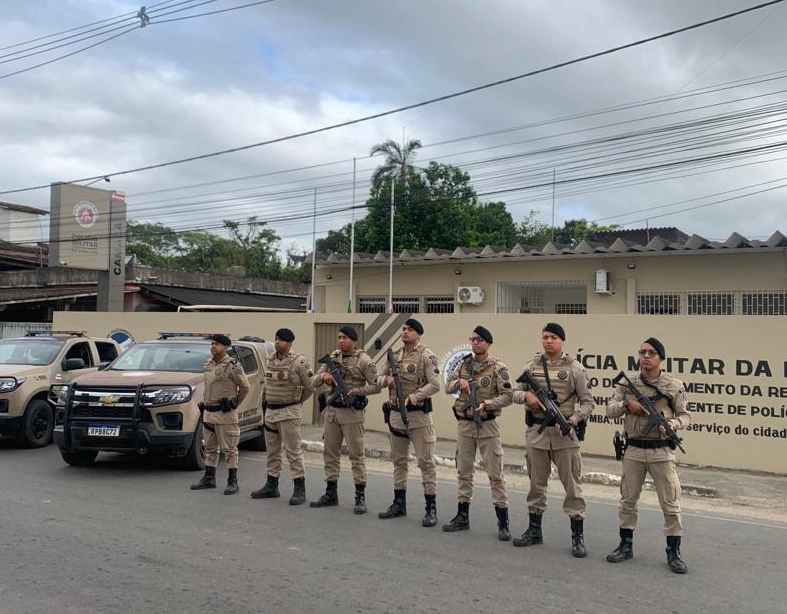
pixel 649 451
pixel 566 381
pixel 420 379
pixel 344 419
pixel 225 388
pixel 288 383
pixel 494 392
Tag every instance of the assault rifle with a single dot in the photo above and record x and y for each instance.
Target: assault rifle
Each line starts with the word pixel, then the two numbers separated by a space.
pixel 340 391
pixel 656 419
pixel 400 398
pixel 554 416
pixel 472 399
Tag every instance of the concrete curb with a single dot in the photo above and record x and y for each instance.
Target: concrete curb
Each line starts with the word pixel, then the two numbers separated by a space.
pixel 591 477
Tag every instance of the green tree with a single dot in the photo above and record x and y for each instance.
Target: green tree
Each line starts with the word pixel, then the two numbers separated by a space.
pixel 441 209
pixel 398 161
pixel 574 231
pixel 151 244
pixel 258 247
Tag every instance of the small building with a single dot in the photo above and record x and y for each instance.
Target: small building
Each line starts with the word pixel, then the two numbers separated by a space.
pixel 658 271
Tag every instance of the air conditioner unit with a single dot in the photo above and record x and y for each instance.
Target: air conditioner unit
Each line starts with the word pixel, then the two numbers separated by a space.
pixel 469 295
pixel 602 282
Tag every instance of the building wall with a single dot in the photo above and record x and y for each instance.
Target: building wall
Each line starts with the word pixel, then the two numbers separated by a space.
pixel 689 270
pixel 19 227
pixel 734 366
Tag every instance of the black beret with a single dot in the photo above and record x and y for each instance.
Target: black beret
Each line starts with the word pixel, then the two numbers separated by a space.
pixel 483 333
pixel 555 329
pixel 223 339
pixel 285 334
pixel 415 325
pixel 657 345
pixel 350 332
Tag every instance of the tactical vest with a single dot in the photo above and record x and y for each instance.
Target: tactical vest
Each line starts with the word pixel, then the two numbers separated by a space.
pixel 635 425
pixel 218 383
pixel 279 387
pixel 485 377
pixel 408 372
pixel 351 371
pixel 563 387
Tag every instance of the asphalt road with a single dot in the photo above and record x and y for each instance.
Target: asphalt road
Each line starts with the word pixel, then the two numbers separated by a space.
pixel 129 536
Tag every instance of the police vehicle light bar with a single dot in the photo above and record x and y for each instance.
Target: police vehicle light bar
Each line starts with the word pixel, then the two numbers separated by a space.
pixel 33 332
pixel 167 335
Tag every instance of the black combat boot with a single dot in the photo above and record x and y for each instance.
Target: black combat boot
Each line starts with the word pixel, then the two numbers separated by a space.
pixel 674 561
pixel 269 491
pixel 398 507
pixel 360 499
pixel 430 518
pixel 298 491
pixel 533 535
pixel 232 482
pixel 503 534
pixel 331 497
pixel 625 549
pixel 460 522
pixel 578 538
pixel 206 481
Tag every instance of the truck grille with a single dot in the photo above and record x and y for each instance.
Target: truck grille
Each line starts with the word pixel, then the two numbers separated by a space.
pixel 105 403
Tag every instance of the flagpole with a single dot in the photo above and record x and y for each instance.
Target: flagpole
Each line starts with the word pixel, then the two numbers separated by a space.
pixel 314 251
pixel 352 247
pixel 390 263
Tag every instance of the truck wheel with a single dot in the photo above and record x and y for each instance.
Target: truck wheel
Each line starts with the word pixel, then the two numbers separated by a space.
pixel 195 457
pixel 79 459
pixel 36 428
pixel 258 443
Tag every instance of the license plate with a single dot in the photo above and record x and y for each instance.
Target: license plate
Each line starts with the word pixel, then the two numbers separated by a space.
pixel 103 430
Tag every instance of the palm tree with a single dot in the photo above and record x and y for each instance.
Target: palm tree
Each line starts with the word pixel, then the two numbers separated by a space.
pixel 398 159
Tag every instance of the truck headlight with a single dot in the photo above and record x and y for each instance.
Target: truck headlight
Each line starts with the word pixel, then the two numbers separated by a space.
pixel 9 384
pixel 171 396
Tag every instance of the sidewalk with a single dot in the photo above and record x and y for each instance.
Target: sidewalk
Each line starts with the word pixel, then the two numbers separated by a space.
pixel 739 487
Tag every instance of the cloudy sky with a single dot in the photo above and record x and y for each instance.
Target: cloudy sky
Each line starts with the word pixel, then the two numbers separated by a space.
pixel 685 131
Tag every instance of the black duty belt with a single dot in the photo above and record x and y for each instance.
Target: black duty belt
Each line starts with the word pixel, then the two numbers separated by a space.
pixel 487 419
pixel 648 444
pixel 213 408
pixel 281 405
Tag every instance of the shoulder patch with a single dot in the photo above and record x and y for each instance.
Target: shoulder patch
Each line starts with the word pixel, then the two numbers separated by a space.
pixel 504 375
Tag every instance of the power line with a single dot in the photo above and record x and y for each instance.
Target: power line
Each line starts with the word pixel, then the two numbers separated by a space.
pixel 426 102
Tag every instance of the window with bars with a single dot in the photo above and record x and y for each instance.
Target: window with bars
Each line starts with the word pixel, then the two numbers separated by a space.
pixel 368 304
pixel 439 304
pixel 764 303
pixel 658 303
pixel 580 308
pixel 710 303
pixel 569 296
pixel 410 304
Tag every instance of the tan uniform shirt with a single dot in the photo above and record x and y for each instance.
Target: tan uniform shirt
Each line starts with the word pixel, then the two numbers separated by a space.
pixel 569 380
pixel 635 425
pixel 360 375
pixel 494 386
pixel 420 376
pixel 224 378
pixel 288 383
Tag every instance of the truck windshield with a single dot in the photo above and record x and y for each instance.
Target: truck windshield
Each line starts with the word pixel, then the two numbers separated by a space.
pixel 163 356
pixel 29 351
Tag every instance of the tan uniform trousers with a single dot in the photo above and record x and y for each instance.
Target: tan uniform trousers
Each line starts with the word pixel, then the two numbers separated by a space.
pixel 423 439
pixel 665 479
pixel 569 468
pixel 353 434
pixel 288 438
pixel 223 438
pixel 488 443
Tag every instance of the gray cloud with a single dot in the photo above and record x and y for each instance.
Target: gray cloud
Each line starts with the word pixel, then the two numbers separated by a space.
pixel 175 90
